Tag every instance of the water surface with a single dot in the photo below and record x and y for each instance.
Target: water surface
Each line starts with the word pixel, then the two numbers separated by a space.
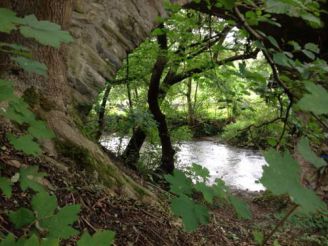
pixel 239 168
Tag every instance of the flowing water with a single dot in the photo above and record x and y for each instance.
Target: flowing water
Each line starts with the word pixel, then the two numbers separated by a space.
pixel 239 168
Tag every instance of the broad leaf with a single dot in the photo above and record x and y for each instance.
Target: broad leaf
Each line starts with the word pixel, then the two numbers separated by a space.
pixel 208 192
pixel 25 144
pixel 316 101
pixel 179 183
pixel 44 32
pixel 220 189
pixel 49 242
pixel 60 225
pixel 191 213
pixel 101 238
pixel 240 207
pixel 31 178
pixel 6 90
pixel 9 240
pixel 282 60
pixel 258 237
pixel 305 150
pixel 31 66
pixel 39 130
pixel 200 171
pixel 5 187
pixel 282 176
pixel 21 217
pixel 32 241
pixel 44 204
pixel 8 20
pixel 19 112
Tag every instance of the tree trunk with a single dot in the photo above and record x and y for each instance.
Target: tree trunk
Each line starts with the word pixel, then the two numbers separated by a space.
pixel 102 110
pixel 191 118
pixel 131 153
pixel 74 78
pixel 167 160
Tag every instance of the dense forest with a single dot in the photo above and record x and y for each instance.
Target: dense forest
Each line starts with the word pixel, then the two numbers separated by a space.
pixel 186 122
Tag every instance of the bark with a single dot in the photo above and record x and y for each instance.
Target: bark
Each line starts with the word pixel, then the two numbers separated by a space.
pixel 191 116
pixel 102 110
pixel 131 153
pixel 167 160
pixel 59 93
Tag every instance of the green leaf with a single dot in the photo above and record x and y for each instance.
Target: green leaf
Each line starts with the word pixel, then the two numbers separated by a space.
pixel 21 217
pixel 305 150
pixel 282 176
pixel 59 225
pixel 312 47
pixel 295 45
pixel 240 207
pixel 49 242
pixel 31 66
pixel 31 178
pixel 208 192
pixel 309 54
pixel 39 130
pixel 25 144
pixel 19 112
pixel 276 6
pixel 258 237
pixel 101 238
pixel 5 187
pixel 6 90
pixel 313 20
pixel 8 20
pixel 44 32
pixel 281 59
pixel 179 183
pixel 69 214
pixel 228 4
pixel 200 171
pixel 308 200
pixel 316 101
pixel 220 189
pixel 44 204
pixel 191 213
pixel 276 243
pixel 8 241
pixel 273 41
pixel 32 241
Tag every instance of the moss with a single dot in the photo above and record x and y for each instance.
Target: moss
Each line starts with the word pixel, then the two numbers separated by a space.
pixel 31 97
pixel 84 160
pixel 46 104
pixel 76 153
pixel 34 98
pixel 84 109
pixel 81 125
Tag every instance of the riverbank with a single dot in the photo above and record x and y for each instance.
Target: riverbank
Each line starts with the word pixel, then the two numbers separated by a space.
pixel 142 223
pixel 146 221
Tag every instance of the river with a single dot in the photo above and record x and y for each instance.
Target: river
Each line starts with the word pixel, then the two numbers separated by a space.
pixel 239 168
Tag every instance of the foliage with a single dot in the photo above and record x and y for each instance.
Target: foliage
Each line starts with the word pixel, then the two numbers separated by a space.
pixel 192 213
pixel 282 176
pixel 305 150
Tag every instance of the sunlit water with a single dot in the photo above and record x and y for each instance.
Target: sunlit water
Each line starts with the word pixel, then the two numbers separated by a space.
pixel 239 168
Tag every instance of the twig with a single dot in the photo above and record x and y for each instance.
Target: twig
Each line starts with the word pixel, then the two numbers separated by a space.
pixel 261 125
pixel 279 224
pixel 285 124
pixel 89 224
